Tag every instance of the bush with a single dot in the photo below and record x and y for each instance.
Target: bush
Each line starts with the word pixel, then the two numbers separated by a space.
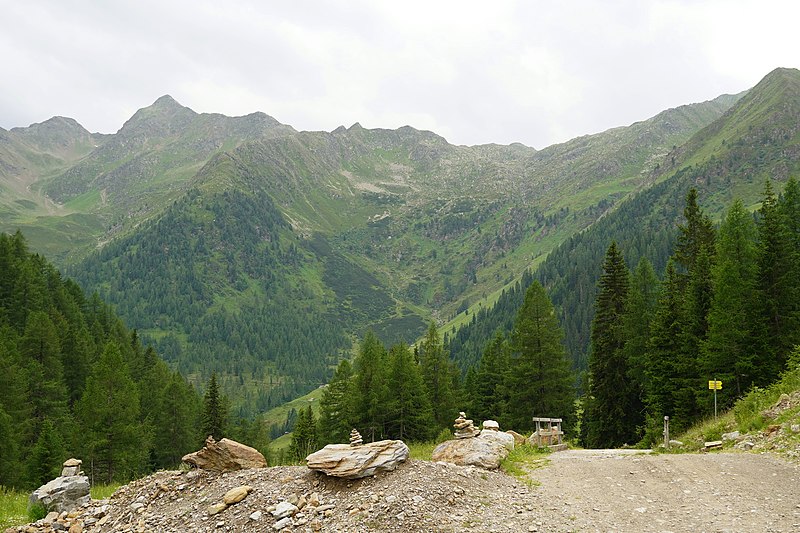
pixel 36 512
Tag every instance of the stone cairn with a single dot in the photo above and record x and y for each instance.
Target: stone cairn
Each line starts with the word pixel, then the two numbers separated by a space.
pixel 464 427
pixel 355 438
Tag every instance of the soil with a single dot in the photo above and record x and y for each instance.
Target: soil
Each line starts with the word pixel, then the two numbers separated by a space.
pixel 574 490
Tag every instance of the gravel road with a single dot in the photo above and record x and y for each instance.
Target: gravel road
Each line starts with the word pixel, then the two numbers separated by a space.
pixel 624 490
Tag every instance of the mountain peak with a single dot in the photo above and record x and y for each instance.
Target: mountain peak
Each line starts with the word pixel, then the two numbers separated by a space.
pixel 167 101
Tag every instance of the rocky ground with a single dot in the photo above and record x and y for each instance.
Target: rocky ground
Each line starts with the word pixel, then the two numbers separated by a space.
pixel 579 490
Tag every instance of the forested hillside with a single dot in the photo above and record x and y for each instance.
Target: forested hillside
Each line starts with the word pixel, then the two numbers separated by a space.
pixel 757 139
pixel 75 381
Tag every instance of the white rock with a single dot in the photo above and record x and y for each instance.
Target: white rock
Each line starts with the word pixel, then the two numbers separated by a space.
pixel 284 509
pixel 256 516
pixel 282 523
pixel 491 424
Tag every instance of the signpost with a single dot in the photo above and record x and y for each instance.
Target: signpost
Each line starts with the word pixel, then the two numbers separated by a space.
pixel 715 385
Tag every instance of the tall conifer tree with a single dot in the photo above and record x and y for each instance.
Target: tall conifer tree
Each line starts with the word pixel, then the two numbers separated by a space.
pixel 540 382
pixel 408 410
pixel 214 417
pixel 369 388
pixel 729 351
pixel 611 398
pixel 438 378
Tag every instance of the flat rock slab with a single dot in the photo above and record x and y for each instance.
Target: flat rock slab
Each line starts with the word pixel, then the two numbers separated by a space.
pixel 225 456
pixel 353 462
pixel 484 451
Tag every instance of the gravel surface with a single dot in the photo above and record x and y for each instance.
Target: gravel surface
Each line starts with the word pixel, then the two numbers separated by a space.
pixel 576 490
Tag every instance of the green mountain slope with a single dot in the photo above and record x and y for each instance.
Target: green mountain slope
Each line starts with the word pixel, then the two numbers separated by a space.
pixel 240 245
pixel 754 140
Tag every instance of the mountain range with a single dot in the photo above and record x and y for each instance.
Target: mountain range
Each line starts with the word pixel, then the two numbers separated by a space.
pixel 242 246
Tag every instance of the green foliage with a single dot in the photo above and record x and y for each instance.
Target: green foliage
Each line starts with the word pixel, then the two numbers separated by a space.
pixel 115 441
pixel 335 409
pixel 51 374
pixel 437 371
pixel 304 436
pixel 214 418
pixel 409 415
pixel 369 390
pixel 37 512
pixel 612 405
pixel 538 378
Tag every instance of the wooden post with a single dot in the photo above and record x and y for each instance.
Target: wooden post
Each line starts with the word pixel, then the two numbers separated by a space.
pixel 666 432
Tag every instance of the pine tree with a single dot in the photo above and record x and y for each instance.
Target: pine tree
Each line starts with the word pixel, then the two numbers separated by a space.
pixel 334 406
pixel 490 393
pixel 729 351
pixel 539 381
pixel 694 236
pixel 663 352
pixel 611 398
pixel 9 459
pixel 369 388
pixel 408 411
pixel 47 456
pixel 175 423
pixel 304 436
pixel 777 289
pixel 115 442
pixel 214 418
pixel 639 314
pixel 437 376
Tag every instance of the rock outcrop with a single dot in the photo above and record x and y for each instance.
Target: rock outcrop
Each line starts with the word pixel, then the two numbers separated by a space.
pixel 353 462
pixel 65 492
pixel 485 451
pixel 225 456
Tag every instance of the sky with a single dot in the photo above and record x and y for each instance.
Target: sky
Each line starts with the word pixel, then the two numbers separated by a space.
pixel 474 72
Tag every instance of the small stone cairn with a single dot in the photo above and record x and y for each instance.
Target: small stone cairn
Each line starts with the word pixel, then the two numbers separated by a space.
pixel 465 429
pixel 355 438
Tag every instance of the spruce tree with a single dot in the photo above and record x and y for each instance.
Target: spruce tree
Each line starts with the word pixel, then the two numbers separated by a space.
pixel 438 378
pixel 369 388
pixel 663 351
pixel 730 354
pixel 611 399
pixel 175 423
pixel 116 444
pixel 214 417
pixel 639 314
pixel 47 455
pixel 696 235
pixel 778 297
pixel 9 459
pixel 408 410
pixel 335 406
pixel 304 436
pixel 540 382
pixel 490 393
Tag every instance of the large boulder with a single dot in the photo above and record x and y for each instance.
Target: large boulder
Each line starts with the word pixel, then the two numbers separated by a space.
pixel 353 462
pixel 485 451
pixel 225 456
pixel 64 493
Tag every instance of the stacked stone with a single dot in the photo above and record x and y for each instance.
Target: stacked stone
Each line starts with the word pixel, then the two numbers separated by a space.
pixel 355 438
pixel 464 427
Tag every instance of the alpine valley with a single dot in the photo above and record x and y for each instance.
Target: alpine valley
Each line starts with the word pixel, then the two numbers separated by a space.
pixel 240 246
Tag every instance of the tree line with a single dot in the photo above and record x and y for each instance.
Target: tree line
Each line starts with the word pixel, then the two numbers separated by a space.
pixel 727 308
pixel 416 393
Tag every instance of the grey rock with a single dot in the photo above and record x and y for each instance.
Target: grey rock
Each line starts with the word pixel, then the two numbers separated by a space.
pixel 62 493
pixel 256 516
pixel 485 451
pixel 733 435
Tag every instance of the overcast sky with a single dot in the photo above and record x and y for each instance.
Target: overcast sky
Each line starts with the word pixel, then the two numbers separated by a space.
pixel 498 71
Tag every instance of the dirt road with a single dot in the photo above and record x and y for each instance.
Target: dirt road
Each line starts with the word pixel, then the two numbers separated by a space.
pixel 619 490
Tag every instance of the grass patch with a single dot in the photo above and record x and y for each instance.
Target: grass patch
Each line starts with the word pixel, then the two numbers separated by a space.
pixel 522 460
pixel 103 492
pixel 13 508
pixel 421 450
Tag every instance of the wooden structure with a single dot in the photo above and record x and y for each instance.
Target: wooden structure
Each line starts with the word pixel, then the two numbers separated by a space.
pixel 548 431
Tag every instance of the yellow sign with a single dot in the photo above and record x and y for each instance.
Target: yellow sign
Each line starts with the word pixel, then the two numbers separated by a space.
pixel 715 385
